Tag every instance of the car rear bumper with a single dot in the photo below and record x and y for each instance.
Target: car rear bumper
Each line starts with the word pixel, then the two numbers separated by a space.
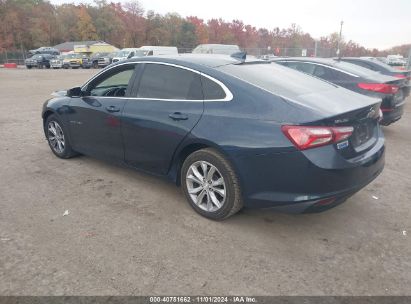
pixel 294 183
pixel 392 115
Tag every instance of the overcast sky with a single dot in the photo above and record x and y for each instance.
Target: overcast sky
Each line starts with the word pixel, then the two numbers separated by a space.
pixel 372 23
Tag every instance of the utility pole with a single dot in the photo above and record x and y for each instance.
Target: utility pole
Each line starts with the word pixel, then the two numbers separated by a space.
pixel 339 40
pixel 315 47
pixel 409 60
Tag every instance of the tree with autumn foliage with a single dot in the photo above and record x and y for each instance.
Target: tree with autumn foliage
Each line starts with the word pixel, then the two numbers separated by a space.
pixel 26 24
pixel 85 27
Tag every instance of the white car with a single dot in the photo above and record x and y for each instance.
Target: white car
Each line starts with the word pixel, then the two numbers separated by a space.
pixel 225 49
pixel 124 54
pixel 150 50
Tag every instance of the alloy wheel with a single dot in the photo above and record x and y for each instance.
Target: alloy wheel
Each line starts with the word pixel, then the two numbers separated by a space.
pixel 55 136
pixel 206 186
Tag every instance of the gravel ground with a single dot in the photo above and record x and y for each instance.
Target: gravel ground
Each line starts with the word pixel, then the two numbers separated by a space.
pixel 128 233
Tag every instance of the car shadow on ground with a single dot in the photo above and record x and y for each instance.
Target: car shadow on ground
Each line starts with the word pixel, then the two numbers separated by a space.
pixel 258 221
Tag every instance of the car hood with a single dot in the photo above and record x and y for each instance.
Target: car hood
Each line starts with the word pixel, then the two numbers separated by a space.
pixel 59 93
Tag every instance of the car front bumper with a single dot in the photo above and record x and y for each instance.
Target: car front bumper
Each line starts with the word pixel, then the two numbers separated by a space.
pixel 56 65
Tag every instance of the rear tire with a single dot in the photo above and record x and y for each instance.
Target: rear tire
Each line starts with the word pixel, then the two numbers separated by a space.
pixel 57 137
pixel 210 184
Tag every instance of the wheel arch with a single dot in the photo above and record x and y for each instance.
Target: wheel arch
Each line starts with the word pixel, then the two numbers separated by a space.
pixel 46 115
pixel 188 148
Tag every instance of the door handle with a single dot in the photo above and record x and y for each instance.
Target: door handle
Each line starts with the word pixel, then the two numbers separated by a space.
pixel 112 109
pixel 178 116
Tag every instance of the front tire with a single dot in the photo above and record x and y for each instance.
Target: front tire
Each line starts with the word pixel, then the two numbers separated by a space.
pixel 57 137
pixel 210 184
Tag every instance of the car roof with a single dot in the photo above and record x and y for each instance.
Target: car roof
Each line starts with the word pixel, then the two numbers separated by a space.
pixel 207 60
pixel 343 66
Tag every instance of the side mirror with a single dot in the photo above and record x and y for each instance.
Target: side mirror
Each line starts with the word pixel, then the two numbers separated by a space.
pixel 75 92
pixel 131 55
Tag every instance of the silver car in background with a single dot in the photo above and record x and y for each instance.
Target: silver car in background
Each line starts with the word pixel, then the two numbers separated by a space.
pixel 57 63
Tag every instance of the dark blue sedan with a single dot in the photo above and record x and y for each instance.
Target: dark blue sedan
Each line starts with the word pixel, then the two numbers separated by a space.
pixel 233 133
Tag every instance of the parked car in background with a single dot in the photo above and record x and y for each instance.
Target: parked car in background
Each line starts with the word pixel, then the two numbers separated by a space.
pixel 104 61
pixel 76 60
pixel 124 54
pixel 57 62
pixel 376 65
pixel 225 49
pixel 382 59
pixel 389 89
pixel 45 50
pixel 39 61
pixel 396 60
pixel 94 58
pixel 231 134
pixel 150 50
pixel 267 57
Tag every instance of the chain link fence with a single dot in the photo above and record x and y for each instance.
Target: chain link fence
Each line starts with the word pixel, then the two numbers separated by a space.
pixel 17 57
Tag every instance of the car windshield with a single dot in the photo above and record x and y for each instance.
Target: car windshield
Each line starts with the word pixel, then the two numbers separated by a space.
pixel 270 77
pixel 140 53
pixel 122 53
pixel 95 55
pixel 354 69
pixel 382 64
pixel 71 56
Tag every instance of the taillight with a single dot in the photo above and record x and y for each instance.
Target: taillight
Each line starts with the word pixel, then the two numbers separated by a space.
pixel 379 87
pixel 400 76
pixel 306 137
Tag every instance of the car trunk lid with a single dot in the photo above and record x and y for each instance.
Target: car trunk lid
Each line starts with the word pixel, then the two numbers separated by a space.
pixel 346 108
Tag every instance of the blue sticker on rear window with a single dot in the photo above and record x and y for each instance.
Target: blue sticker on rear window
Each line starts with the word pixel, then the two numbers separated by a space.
pixel 342 145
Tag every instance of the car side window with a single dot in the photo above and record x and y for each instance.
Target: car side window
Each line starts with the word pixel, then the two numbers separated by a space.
pixel 115 84
pixel 160 81
pixel 211 89
pixel 305 67
pixel 340 77
pixel 323 73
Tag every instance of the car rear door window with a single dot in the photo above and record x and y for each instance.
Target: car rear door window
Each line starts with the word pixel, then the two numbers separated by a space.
pixel 211 89
pixel 160 81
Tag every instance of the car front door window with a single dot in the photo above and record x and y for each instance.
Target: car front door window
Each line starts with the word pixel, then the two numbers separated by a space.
pixel 114 85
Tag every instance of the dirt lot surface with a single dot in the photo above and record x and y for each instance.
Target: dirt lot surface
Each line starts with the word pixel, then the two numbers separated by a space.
pixel 132 234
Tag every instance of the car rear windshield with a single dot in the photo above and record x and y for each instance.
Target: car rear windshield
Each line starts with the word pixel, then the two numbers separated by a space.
pixel 277 79
pixel 382 64
pixel 354 69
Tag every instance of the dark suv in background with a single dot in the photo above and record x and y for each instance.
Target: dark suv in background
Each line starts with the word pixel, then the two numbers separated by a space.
pixel 39 61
